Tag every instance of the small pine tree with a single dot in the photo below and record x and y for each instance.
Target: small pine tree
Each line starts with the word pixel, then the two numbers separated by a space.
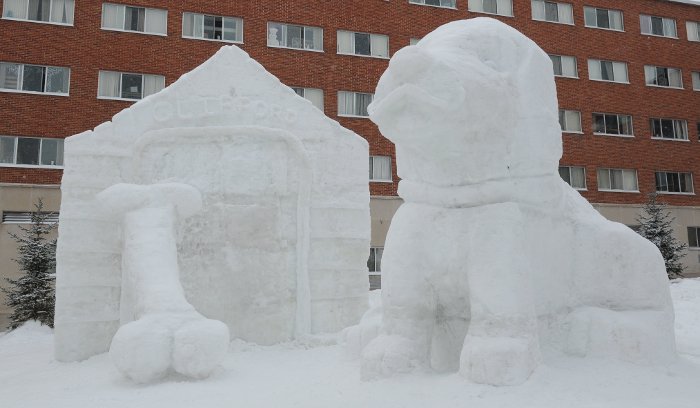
pixel 32 296
pixel 655 225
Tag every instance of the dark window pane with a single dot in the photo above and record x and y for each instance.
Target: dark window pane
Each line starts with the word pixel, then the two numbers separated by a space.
pixel 28 150
pixel 673 182
pixel 698 126
pixel 551 11
pixel 667 128
pixel 375 282
pixel 432 2
pixel 693 236
pixel 294 36
pixel 212 27
pixel 33 78
pixel 362 44
pixel 556 63
pixel 490 6
pixel 131 86
pixel 606 70
pixel 599 123
pixel 603 18
pixel 134 18
pixel 565 174
pixel 657 26
pixel 56 80
pixel 362 101
pixel 49 152
pixel 39 10
pixel 7 150
pixel 611 125
pixel 656 127
pixel 370 260
pixel 661 76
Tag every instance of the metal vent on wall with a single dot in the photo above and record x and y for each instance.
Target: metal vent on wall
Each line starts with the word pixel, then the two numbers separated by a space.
pixel 18 217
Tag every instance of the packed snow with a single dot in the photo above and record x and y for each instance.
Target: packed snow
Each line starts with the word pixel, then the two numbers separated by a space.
pixel 323 374
pixel 276 246
pixel 493 264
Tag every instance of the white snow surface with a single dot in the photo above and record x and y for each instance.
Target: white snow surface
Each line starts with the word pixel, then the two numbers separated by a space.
pixel 321 374
pixel 493 264
pixel 273 243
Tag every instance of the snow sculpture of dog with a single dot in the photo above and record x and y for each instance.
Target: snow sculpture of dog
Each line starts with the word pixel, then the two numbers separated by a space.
pixel 493 261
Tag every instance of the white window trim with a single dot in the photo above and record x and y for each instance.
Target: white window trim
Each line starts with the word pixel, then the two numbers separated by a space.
pixel 608 81
pixel 434 6
pixel 614 135
pixel 31 166
pixel 212 39
pixel 622 20
pixel 114 98
pixel 36 92
pixel 144 21
pixel 267 27
pixel 27 20
pixel 670 140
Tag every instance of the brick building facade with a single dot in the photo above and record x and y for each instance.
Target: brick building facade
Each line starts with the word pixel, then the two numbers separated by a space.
pixel 643 39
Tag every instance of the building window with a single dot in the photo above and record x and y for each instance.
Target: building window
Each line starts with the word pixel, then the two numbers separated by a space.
pixel 611 71
pixel 413 41
pixel 694 237
pixel 354 103
pixel 374 265
pixel 660 26
pixel 564 66
pixel 122 85
pixel 662 76
pixel 206 27
pixel 603 18
pixel 34 78
pixel 21 217
pixel 135 19
pixel 674 182
pixel 380 168
pixel 500 7
pixel 669 129
pixel 436 3
pixel 370 45
pixel 313 95
pixel 617 180
pixel 575 176
pixel 43 11
pixel 552 12
pixel 294 36
pixel 570 121
pixel 612 124
pixel 31 151
pixel 693 30
pixel 696 81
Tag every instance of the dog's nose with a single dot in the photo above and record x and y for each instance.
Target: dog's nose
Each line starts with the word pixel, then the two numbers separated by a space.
pixel 409 63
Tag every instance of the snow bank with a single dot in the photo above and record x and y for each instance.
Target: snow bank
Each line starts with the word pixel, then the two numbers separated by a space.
pixel 493 261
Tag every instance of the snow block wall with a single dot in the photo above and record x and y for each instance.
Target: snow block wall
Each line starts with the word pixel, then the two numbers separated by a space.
pixel 493 262
pixel 280 246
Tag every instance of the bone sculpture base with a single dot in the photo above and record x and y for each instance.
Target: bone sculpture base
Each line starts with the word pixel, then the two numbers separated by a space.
pixel 168 333
pixel 493 262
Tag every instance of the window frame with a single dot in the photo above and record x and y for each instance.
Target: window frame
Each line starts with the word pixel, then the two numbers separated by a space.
pixel 303 95
pixel 669 86
pixel 673 125
pixel 372 157
pixel 241 41
pixel 623 135
pixel 39 153
pixel 613 81
pixel 622 19
pixel 558 3
pixel 416 2
pixel 121 74
pixel 585 181
pixel 28 20
pixel 354 45
pixel 123 30
pixel 21 80
pixel 688 25
pixel 565 56
pixel 373 256
pixel 610 180
pixel 679 173
pixel 303 30
pixel 675 24
pixel 355 93
pixel 580 122
pixel 695 80
pixel 696 230
pixel 471 10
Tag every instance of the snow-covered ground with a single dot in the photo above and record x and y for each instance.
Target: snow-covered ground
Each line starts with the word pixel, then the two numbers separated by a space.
pixel 323 375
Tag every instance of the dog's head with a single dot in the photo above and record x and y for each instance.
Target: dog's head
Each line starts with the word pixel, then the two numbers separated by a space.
pixel 473 101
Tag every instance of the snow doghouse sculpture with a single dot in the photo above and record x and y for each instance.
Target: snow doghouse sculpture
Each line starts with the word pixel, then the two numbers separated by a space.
pixel 279 247
pixel 493 261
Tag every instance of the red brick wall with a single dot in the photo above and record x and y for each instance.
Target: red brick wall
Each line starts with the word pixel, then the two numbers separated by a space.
pixel 87 49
